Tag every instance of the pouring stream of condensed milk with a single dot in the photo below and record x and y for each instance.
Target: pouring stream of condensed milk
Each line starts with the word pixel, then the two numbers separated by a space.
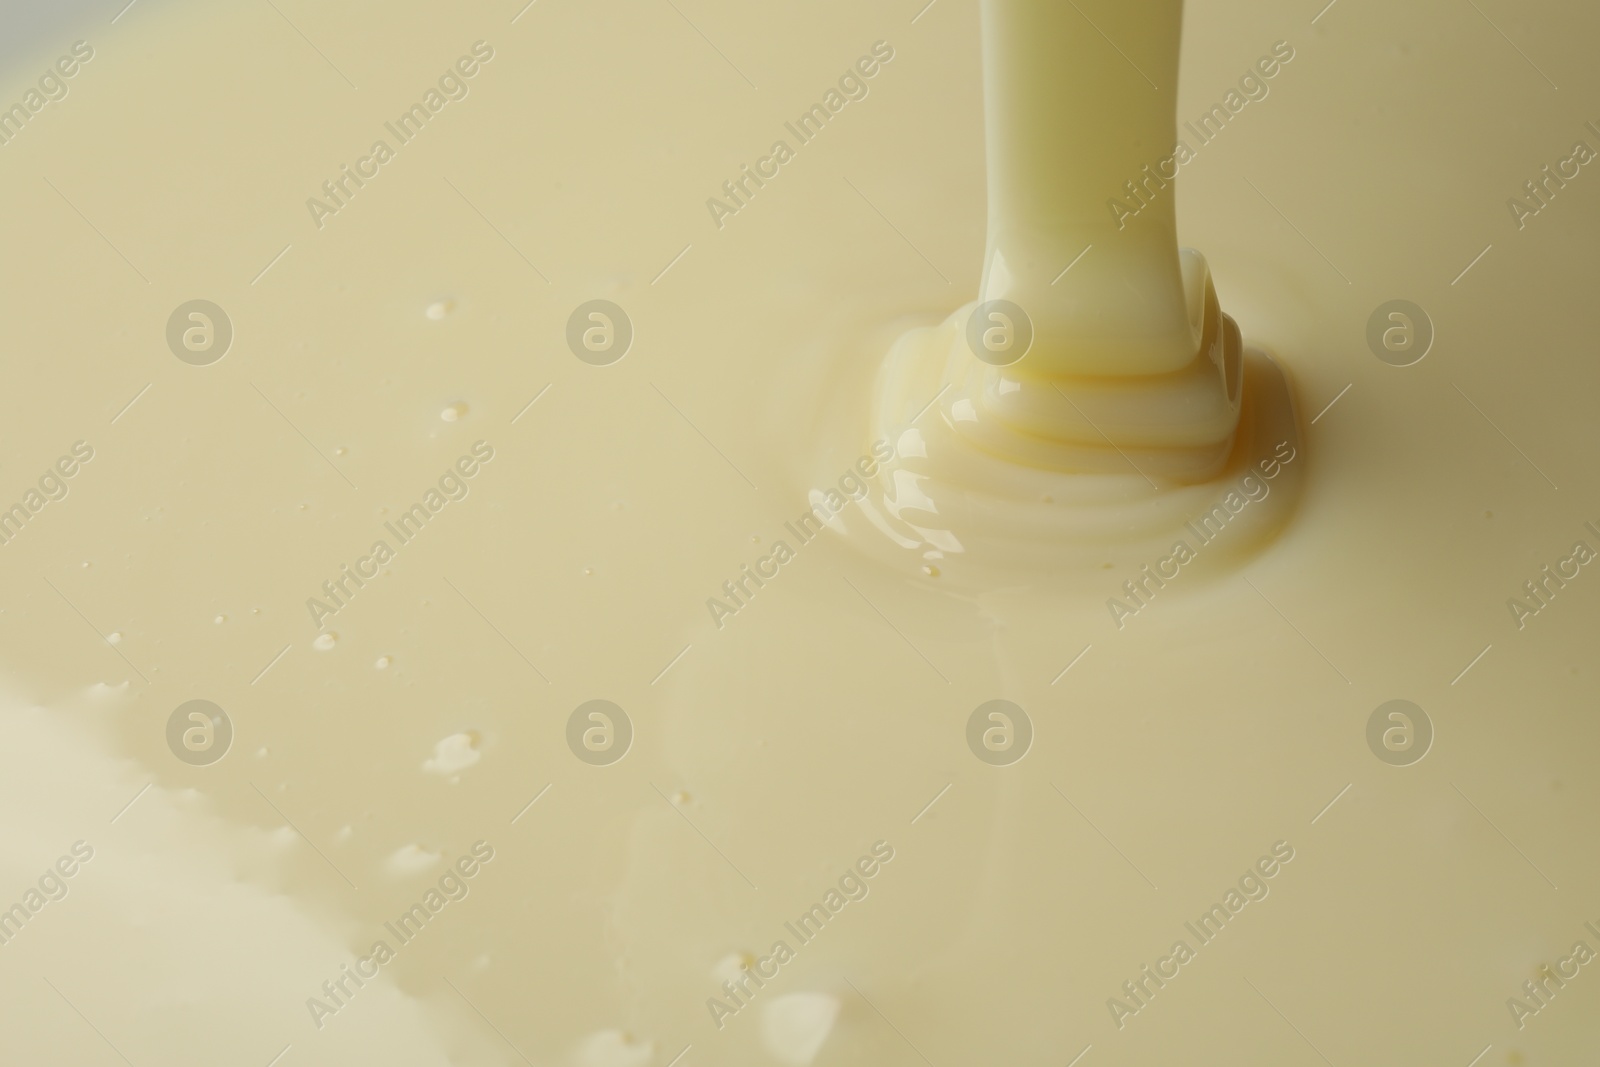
pixel 1095 393
pixel 1069 121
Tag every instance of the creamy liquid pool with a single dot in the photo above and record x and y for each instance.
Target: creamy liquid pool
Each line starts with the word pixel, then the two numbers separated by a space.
pixel 1177 748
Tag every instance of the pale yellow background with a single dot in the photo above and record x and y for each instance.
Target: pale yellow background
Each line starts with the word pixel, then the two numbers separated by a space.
pixel 1222 719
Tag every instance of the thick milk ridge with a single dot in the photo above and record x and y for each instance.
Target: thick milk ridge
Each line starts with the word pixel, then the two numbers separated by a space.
pixel 1174 746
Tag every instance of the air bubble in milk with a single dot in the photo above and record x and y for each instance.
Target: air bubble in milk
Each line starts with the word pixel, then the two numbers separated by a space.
pixel 439 309
pixel 454 412
pixel 326 641
pixel 731 967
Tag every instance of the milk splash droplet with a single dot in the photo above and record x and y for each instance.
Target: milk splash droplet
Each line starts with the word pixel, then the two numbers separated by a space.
pixel 409 859
pixel 795 1025
pixel 612 1048
pixel 455 753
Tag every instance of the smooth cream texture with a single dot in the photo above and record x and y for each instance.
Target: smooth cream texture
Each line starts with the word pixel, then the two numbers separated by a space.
pixel 1213 724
